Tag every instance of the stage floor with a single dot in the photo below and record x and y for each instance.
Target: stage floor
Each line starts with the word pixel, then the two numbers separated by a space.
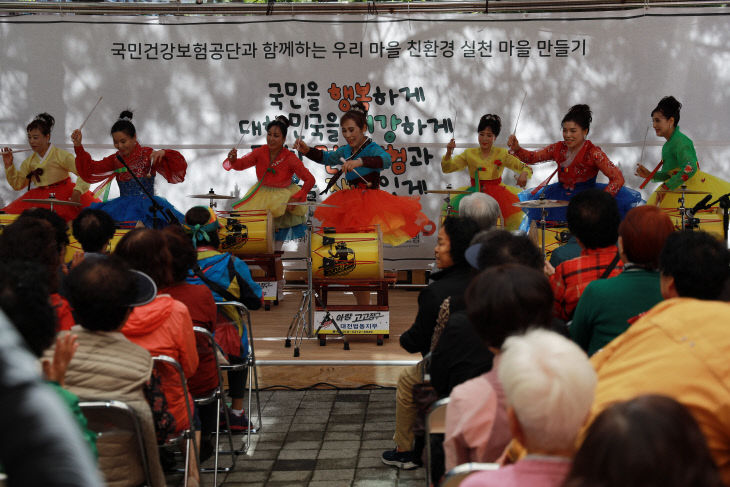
pixel 365 362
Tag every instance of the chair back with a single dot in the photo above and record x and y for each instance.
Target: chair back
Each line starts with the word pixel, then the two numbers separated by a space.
pixel 456 475
pixel 435 424
pixel 114 420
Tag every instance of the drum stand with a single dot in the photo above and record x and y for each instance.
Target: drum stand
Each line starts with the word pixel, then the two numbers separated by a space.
pixel 300 325
pixel 543 223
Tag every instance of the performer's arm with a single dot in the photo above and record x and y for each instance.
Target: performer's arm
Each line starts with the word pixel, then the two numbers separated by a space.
pixel 453 164
pixel 613 173
pixel 686 170
pixel 88 169
pixel 379 160
pixel 532 157
pixel 68 162
pixel 304 175
pixel 249 160
pixel 16 177
pixel 171 164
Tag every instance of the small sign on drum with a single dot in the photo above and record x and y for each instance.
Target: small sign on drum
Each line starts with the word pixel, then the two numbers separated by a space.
pixel 353 322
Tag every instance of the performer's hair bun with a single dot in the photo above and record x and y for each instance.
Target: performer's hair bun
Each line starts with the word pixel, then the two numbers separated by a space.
pixel 280 121
pixel 358 113
pixel 492 121
pixel 124 124
pixel 43 122
pixel 581 115
pixel 669 107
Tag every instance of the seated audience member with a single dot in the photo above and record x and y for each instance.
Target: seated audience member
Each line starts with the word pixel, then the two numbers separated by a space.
pixel 451 280
pixel 229 278
pixel 94 230
pixel 548 384
pixel 679 348
pixel 107 366
pixel 201 305
pixel 481 208
pixel 41 441
pixel 59 238
pixel 593 218
pixel 24 299
pixel 649 441
pixel 598 319
pixel 501 301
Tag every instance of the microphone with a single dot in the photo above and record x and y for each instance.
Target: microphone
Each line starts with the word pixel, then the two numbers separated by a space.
pixel 702 204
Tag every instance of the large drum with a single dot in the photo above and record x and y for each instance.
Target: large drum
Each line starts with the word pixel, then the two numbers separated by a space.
pixel 347 255
pixel 246 232
pixel 6 219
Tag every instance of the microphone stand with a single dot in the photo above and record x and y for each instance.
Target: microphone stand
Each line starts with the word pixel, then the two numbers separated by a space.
pixel 168 215
pixel 724 202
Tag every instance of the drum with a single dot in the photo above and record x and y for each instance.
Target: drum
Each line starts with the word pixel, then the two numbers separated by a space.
pixel 556 235
pixel 6 219
pixel 347 255
pixel 246 232
pixel 74 245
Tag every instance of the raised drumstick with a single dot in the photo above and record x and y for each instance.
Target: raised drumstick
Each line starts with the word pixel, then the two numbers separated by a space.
pixel 514 131
pixel 90 112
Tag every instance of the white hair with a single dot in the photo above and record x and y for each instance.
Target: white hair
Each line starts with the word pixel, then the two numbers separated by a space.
pixel 481 208
pixel 550 383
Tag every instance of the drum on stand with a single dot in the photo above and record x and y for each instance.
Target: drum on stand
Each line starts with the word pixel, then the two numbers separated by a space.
pixel 246 232
pixel 347 255
pixel 7 219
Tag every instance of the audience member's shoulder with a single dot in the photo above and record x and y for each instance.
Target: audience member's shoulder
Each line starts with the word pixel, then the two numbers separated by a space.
pixel 479 387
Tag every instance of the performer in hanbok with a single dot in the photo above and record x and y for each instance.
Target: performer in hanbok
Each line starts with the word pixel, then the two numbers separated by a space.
pixel 363 205
pixel 579 162
pixel 679 165
pixel 48 170
pixel 132 205
pixel 275 166
pixel 485 165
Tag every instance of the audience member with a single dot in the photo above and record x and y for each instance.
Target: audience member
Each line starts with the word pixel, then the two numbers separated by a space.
pixel 679 347
pixel 501 301
pixel 481 208
pixel 597 319
pixel 107 366
pixel 451 280
pixel 549 385
pixel 41 442
pixel 649 441
pixel 229 278
pixel 593 218
pixel 94 230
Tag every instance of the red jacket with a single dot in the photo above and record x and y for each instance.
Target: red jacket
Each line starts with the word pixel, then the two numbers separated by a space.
pixel 164 327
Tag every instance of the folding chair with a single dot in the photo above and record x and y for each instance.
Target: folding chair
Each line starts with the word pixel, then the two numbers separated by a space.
pixel 435 423
pixel 249 364
pixel 454 476
pixel 109 418
pixel 187 435
pixel 216 396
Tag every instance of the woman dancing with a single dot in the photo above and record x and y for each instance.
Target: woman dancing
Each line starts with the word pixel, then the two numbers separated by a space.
pixel 275 166
pixel 364 205
pixel 48 168
pixel 132 205
pixel 485 165
pixel 579 162
pixel 679 164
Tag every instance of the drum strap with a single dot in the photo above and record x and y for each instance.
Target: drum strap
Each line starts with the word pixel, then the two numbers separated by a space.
pixel 333 180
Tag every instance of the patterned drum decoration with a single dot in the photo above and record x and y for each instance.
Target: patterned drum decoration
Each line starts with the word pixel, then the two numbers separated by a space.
pixel 246 232
pixel 347 255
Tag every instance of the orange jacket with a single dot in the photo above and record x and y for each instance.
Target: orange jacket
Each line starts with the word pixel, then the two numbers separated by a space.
pixel 164 327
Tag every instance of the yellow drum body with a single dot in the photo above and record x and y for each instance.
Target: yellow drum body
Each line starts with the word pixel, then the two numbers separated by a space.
pixel 710 221
pixel 347 255
pixel 74 245
pixel 246 232
pixel 6 219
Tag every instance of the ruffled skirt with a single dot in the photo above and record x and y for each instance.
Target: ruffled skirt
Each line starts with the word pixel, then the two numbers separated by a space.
pixel 400 217
pixel 288 221
pixel 505 195
pixel 128 210
pixel 62 191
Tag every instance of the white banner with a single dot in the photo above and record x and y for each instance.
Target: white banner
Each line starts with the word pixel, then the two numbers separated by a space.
pixel 197 83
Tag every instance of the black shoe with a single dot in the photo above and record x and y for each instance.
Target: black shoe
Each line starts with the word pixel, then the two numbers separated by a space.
pixel 401 459
pixel 207 449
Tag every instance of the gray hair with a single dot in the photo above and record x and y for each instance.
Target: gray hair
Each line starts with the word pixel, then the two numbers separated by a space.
pixel 550 383
pixel 481 208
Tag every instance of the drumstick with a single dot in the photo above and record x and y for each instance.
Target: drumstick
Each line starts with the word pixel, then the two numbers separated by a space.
pixel 651 175
pixel 514 131
pixel 239 142
pixel 90 112
pixel 358 174
pixel 14 151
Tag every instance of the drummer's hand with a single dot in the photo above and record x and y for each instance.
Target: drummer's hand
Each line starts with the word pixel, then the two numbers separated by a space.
pixel 659 198
pixel 522 179
pixel 642 171
pixel 55 370
pixel 300 146
pixel 7 157
pixel 233 156
pixel 76 137
pixel 157 155
pixel 548 269
pixel 351 165
pixel 75 196
pixel 450 147
pixel 513 143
